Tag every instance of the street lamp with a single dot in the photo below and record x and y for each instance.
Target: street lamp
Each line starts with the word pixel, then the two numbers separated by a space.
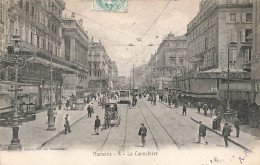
pixel 15 142
pixel 51 124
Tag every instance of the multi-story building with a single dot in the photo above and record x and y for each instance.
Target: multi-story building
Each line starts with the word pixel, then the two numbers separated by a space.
pixel 256 53
pixel 2 18
pixel 114 74
pixel 121 82
pixel 169 60
pixel 221 28
pixel 75 42
pixel 38 23
pixel 100 68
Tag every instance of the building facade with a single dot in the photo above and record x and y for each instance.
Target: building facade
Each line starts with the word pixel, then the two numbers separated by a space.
pixel 75 42
pixel 100 68
pixel 38 23
pixel 221 28
pixel 169 61
pixel 256 53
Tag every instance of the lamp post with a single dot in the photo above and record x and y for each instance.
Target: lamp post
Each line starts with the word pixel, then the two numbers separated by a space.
pixel 15 142
pixel 51 124
pixel 228 91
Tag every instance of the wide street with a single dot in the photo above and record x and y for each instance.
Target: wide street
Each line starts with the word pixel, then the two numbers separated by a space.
pixel 167 129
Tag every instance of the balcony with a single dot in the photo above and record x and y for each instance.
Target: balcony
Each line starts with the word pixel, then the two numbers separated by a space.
pixel 246 67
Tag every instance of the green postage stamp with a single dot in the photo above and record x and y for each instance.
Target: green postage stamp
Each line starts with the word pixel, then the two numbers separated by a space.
pixel 109 5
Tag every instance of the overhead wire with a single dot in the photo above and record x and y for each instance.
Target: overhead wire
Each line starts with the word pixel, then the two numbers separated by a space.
pixel 156 19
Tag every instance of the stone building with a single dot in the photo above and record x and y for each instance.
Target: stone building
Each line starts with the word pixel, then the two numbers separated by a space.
pixel 100 69
pixel 256 53
pixel 221 28
pixel 38 23
pixel 75 42
pixel 169 60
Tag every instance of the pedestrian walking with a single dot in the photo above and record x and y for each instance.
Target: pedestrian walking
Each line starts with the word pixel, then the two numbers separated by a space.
pixel 184 110
pixel 237 125
pixel 142 132
pixel 202 133
pixel 67 124
pixel 226 133
pixel 67 105
pixel 205 109
pixel 199 106
pixel 97 125
pixel 219 121
pixel 92 108
pixel 89 111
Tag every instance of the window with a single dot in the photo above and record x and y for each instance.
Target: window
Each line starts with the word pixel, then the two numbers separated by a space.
pixel 248 35
pixel 32 11
pixel 38 41
pixel 232 34
pixel 31 38
pixel 232 56
pixel 89 73
pixel 43 44
pixel 247 17
pixel 232 17
pixel 181 62
pixel 248 55
pixel 21 4
pixel 27 7
pixel 206 44
pixel 89 65
pixel 1 11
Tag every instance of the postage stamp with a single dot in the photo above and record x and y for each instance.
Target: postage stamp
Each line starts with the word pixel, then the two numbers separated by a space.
pixel 109 5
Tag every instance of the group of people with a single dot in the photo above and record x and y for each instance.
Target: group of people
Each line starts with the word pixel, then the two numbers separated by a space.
pixel 227 129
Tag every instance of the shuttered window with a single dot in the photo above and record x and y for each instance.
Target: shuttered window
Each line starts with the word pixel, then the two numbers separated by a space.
pixel 243 35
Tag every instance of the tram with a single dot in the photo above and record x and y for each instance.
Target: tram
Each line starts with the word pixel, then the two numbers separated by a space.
pixel 124 97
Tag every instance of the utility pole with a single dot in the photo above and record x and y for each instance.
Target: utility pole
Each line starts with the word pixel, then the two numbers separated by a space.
pixel 228 91
pixel 51 124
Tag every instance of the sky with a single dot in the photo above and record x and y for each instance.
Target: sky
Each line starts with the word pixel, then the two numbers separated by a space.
pixel 119 30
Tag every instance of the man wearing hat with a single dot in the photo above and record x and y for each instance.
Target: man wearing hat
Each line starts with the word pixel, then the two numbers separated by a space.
pixel 142 132
pixel 97 125
pixel 202 133
pixel 237 125
pixel 226 133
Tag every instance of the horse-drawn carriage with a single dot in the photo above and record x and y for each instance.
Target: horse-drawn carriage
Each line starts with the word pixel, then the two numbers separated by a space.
pixel 112 118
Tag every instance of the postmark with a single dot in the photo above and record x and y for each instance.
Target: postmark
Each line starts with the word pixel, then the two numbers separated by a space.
pixel 109 5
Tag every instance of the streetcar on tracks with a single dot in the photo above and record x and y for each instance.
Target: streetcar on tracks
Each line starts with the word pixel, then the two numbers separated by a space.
pixel 124 97
pixel 112 117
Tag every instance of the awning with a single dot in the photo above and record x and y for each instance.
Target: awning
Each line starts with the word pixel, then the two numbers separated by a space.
pixel 47 63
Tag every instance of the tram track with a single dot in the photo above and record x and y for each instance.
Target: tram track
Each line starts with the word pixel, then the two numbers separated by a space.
pixel 162 126
pixel 100 149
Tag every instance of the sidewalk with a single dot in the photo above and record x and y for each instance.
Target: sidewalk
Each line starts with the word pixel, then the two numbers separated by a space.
pixel 34 134
pixel 245 140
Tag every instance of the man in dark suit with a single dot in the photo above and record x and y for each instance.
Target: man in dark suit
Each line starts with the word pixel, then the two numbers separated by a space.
pixel 142 132
pixel 97 125
pixel 226 133
pixel 237 125
pixel 89 111
pixel 202 133
pixel 67 124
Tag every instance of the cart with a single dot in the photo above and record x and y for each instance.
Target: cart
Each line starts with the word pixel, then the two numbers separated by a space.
pixel 112 118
